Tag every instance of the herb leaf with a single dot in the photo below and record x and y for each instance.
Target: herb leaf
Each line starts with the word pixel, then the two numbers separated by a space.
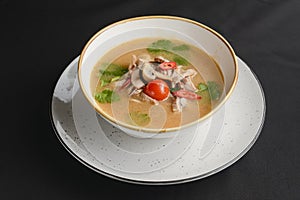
pixel 180 60
pixel 182 47
pixel 115 78
pixel 174 89
pixel 140 119
pixel 160 45
pixel 111 73
pixel 104 82
pixel 214 90
pixel 167 45
pixel 169 50
pixel 107 96
pixel 202 87
pixel 114 69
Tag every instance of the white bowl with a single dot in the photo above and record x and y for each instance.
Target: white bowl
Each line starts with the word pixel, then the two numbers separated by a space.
pixel 172 27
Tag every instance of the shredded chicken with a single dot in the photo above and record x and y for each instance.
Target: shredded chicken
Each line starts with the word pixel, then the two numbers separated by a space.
pixel 189 73
pixel 160 59
pixel 188 84
pixel 178 104
pixel 133 63
pixel 134 91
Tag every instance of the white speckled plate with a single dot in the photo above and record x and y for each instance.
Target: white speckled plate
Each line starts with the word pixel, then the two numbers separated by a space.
pixel 188 156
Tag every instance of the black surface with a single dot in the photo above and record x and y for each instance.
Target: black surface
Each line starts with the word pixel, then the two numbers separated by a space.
pixel 39 39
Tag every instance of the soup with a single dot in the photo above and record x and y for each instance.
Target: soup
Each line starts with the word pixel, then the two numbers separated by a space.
pixel 156 83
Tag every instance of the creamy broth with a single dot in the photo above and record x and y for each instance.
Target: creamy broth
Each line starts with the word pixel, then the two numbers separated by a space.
pixel 130 109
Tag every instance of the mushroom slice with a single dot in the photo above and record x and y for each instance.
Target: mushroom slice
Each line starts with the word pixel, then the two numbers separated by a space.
pixel 136 80
pixel 148 72
pixel 163 76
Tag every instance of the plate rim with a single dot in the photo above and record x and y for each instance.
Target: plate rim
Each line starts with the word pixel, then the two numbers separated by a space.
pixel 171 182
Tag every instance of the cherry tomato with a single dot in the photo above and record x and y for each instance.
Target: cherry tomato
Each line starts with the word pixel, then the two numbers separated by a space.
pixel 157 89
pixel 168 65
pixel 186 94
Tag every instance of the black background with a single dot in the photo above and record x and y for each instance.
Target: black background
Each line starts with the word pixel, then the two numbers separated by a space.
pixel 38 39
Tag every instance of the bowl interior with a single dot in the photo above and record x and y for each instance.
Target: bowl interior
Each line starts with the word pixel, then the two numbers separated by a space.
pixel 188 31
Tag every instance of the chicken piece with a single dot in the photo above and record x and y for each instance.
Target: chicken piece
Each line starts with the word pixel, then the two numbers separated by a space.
pixel 189 72
pixel 176 76
pixel 188 84
pixel 133 64
pixel 123 82
pixel 178 104
pixel 160 59
pixel 134 91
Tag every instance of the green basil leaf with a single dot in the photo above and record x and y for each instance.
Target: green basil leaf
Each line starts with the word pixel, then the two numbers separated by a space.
pixel 174 89
pixel 160 44
pixel 107 96
pixel 111 72
pixel 214 90
pixel 180 60
pixel 202 87
pixel 167 45
pixel 182 47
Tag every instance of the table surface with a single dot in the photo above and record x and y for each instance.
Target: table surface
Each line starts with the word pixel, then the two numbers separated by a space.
pixel 39 39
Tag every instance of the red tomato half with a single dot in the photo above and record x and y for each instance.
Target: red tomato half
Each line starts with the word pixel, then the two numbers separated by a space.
pixel 157 89
pixel 186 94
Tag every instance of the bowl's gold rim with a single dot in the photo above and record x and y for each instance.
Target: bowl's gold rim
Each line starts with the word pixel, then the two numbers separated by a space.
pixel 158 17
